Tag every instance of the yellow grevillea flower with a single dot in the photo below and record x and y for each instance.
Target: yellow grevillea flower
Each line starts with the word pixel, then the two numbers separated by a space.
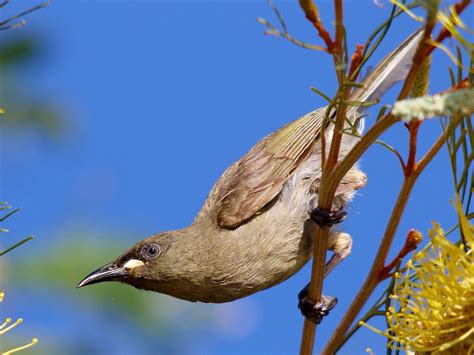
pixel 8 325
pixel 432 308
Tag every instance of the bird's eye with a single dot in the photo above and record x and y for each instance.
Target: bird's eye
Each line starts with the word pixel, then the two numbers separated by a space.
pixel 151 251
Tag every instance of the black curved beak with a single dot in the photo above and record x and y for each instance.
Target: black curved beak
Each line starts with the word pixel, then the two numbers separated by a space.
pixel 109 272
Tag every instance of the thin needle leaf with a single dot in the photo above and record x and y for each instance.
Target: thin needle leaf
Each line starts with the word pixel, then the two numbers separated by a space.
pixel 322 94
pixel 16 245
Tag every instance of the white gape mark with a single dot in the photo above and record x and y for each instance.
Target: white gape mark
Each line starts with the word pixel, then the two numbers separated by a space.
pixel 132 264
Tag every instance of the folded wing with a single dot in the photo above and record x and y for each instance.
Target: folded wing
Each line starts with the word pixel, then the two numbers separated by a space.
pixel 258 177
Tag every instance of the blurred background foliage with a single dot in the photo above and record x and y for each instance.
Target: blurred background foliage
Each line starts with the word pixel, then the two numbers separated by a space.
pixel 25 109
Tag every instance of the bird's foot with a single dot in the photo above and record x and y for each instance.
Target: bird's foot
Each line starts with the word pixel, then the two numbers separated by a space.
pixel 327 218
pixel 315 311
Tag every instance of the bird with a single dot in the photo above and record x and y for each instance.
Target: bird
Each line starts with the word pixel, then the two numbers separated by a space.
pixel 257 224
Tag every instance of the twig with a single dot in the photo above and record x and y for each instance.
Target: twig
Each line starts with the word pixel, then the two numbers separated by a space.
pixel 444 33
pixel 383 300
pixel 325 200
pixel 464 84
pixel 273 31
pixel 422 52
pixel 411 163
pixel 339 26
pixel 21 14
pixel 332 174
pixel 356 59
pixel 312 14
pixel 372 279
pixel 383 29
pixel 412 241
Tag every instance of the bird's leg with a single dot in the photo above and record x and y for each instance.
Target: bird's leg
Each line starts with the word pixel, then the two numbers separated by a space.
pixel 340 244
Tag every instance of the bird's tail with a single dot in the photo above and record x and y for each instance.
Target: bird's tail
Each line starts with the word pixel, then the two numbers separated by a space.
pixel 392 69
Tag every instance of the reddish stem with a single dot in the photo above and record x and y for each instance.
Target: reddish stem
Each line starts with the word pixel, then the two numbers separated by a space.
pixel 444 33
pixel 412 241
pixel 356 59
pixel 413 128
pixel 312 15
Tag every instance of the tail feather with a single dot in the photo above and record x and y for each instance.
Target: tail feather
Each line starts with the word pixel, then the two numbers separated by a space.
pixel 392 69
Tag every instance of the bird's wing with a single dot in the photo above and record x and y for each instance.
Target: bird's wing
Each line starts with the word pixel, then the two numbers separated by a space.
pixel 256 179
pixel 253 181
pixel 392 69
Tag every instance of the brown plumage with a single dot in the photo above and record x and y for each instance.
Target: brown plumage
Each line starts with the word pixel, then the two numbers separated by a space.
pixel 258 177
pixel 253 230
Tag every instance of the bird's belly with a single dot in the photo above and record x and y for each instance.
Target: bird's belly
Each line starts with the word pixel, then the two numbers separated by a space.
pixel 263 252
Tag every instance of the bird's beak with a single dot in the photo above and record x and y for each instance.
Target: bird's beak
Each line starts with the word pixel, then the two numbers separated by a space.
pixel 110 272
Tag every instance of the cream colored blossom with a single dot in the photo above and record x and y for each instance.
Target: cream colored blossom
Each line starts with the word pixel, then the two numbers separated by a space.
pixel 460 102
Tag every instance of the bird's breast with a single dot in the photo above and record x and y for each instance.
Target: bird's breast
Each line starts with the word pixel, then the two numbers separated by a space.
pixel 261 253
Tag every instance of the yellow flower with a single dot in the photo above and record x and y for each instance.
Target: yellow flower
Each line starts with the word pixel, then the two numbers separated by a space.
pixel 8 325
pixel 432 307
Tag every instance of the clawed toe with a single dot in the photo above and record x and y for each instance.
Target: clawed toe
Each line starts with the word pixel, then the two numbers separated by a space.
pixel 315 311
pixel 327 218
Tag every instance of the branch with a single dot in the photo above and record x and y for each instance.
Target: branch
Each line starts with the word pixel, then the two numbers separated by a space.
pixel 333 172
pixel 325 201
pixel 372 279
pixel 411 163
pixel 339 26
pixel 413 239
pixel 312 14
pixel 423 51
pixel 273 31
pixel 445 33
pixel 4 23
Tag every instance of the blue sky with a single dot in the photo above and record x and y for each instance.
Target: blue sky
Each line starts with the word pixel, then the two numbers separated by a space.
pixel 159 98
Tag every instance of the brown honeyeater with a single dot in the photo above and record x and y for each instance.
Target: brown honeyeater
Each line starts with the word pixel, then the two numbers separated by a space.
pixel 254 229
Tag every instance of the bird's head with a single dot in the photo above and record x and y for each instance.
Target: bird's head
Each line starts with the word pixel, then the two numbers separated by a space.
pixel 144 265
